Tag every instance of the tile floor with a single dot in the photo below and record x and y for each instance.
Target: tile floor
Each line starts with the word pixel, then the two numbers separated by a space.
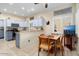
pixel 8 48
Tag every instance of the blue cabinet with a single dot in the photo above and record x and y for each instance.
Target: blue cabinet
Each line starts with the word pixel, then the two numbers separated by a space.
pixel 70 30
pixel 9 35
pixel 1 33
pixel 17 40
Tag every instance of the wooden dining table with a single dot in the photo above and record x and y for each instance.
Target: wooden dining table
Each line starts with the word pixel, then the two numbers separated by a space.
pixel 54 38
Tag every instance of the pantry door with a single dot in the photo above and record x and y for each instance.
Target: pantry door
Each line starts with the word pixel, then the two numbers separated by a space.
pixel 58 24
pixel 68 20
pixel 61 21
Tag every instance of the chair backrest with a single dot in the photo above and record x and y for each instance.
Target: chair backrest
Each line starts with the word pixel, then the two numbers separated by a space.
pixel 43 39
pixel 42 34
pixel 53 34
pixel 62 39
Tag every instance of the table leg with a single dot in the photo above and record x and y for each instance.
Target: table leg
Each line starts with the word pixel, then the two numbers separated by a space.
pixel 55 49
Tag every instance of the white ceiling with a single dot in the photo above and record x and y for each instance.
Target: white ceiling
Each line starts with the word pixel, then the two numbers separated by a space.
pixel 27 9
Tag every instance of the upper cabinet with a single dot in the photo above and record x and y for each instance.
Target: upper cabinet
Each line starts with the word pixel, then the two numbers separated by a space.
pixel 19 22
pixel 1 23
pixel 37 22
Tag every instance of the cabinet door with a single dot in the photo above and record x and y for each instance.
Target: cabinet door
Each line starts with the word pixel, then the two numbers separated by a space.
pixel 17 40
pixel 9 35
pixel 1 23
pixel 1 33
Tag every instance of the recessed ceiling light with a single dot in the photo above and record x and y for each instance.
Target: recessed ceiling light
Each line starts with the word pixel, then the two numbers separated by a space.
pixel 22 8
pixel 5 9
pixel 32 9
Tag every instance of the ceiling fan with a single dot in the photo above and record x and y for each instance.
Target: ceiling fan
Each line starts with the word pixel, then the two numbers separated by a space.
pixel 46 4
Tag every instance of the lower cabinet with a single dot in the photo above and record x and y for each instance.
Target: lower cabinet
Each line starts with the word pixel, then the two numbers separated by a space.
pixel 17 37
pixel 70 42
pixel 1 33
pixel 9 35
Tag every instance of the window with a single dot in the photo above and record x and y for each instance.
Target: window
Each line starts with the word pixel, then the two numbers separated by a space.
pixel 37 24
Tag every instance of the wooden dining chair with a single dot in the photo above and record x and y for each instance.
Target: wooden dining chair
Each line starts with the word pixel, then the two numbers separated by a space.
pixel 52 34
pixel 44 44
pixel 60 46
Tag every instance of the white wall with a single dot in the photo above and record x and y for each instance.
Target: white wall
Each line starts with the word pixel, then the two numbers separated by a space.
pixel 77 26
pixel 77 20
